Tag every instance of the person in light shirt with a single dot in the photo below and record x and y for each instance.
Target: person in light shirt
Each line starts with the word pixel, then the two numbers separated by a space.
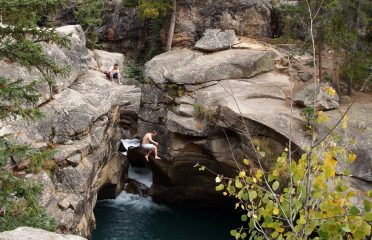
pixel 114 73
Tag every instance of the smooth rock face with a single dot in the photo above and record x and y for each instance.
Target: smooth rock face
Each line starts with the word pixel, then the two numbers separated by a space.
pixel 324 100
pixel 27 233
pixel 215 39
pixel 83 120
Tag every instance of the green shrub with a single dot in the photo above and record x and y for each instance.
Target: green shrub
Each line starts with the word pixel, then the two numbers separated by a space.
pixel 134 71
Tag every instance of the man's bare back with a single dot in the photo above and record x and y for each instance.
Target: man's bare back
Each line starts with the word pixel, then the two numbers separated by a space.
pixel 146 139
pixel 150 145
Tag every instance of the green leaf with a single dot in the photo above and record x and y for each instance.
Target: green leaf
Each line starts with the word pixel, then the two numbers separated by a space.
pixel 275 185
pixel 354 211
pixel 237 235
pixel 367 205
pixel 220 187
pixel 244 218
pixel 244 235
pixel 347 172
pixel 252 195
pixel 233 232
pixel 368 217
pixel 346 228
pixel 302 220
pixel 370 194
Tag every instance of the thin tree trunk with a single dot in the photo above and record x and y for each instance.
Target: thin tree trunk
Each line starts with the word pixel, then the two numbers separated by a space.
pixel 336 72
pixel 356 25
pixel 172 25
pixel 320 60
pixel 350 86
pixel 320 54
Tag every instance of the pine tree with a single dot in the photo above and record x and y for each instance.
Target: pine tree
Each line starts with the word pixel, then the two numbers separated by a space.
pixel 20 38
pixel 88 15
pixel 340 26
pixel 157 8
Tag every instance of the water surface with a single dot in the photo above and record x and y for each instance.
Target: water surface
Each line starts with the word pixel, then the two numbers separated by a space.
pixel 131 217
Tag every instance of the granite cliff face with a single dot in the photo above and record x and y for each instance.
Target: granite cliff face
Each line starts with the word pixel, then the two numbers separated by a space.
pixel 124 29
pixel 82 122
pixel 250 18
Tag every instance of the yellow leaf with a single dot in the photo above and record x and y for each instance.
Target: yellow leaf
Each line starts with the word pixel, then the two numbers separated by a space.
pixel 352 157
pixel 329 166
pixel 202 168
pixel 246 161
pixel 321 117
pixel 276 173
pixel 345 121
pixel 302 220
pixel 225 193
pixel 259 174
pixel 242 174
pixel 254 180
pixel 331 92
pixel 319 181
pixel 276 211
pixel 218 179
pixel 238 184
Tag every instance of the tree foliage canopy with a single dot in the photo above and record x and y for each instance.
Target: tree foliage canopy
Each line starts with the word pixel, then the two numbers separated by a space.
pixel 343 26
pixel 88 15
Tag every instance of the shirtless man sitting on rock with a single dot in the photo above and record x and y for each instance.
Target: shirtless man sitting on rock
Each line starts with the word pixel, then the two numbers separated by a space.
pixel 150 145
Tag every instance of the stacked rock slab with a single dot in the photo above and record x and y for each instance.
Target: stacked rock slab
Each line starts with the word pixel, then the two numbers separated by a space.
pixel 81 115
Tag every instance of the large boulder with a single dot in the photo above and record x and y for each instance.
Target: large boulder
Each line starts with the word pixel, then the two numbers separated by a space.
pixel 197 102
pixel 203 104
pixel 192 68
pixel 27 233
pixel 215 39
pixel 105 60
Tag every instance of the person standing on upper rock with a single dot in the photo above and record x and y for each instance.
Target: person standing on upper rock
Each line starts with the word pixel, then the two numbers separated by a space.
pixel 150 145
pixel 114 73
